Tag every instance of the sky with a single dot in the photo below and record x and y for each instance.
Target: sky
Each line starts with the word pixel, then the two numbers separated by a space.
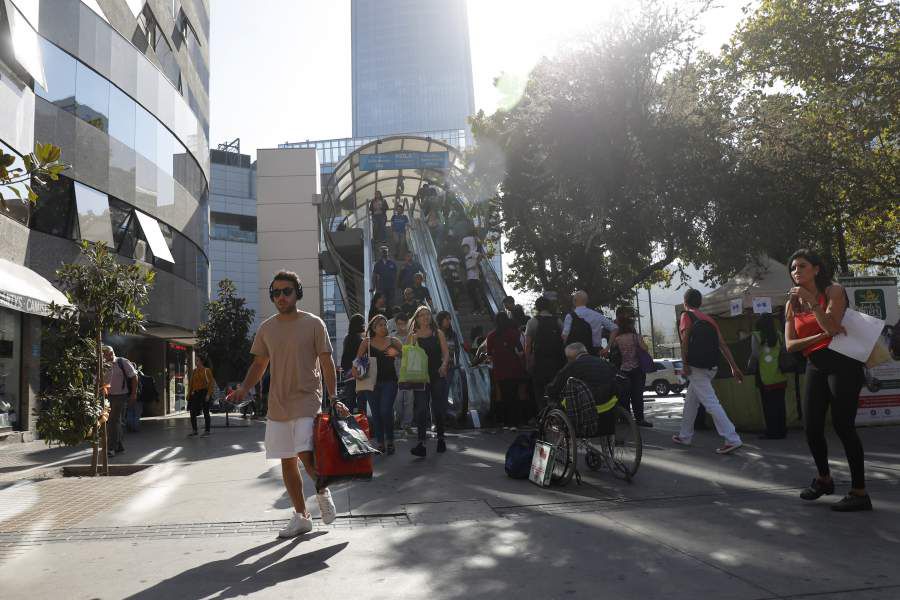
pixel 280 69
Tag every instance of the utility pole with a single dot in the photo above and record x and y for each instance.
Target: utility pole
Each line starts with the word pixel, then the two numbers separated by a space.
pixel 637 310
pixel 652 339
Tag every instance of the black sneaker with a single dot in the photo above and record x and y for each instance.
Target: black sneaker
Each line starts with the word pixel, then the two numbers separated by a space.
pixel 120 449
pixel 419 450
pixel 852 503
pixel 645 423
pixel 817 489
pixel 441 445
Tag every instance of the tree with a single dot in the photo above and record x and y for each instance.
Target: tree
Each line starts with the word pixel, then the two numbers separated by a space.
pixel 44 162
pixel 609 171
pixel 106 297
pixel 827 141
pixel 225 337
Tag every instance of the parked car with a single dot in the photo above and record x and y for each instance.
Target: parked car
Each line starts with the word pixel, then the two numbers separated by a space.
pixel 667 378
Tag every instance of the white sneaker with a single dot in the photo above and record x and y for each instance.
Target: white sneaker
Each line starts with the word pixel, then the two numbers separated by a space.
pixel 298 525
pixel 326 506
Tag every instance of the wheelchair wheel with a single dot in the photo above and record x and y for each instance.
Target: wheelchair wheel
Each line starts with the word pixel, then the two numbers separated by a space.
pixel 593 459
pixel 625 448
pixel 556 429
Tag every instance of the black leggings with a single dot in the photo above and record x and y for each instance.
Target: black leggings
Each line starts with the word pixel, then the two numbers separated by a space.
pixel 833 379
pixel 197 403
pixel 630 386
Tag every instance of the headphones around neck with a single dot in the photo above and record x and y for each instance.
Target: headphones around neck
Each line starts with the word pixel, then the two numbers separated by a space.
pixel 298 290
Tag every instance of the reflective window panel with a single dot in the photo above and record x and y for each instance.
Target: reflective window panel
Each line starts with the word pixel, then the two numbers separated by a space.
pixel 93 215
pixel 59 68
pixel 122 116
pixel 53 212
pixel 92 97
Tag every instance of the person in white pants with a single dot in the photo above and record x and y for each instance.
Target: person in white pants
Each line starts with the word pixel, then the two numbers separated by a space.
pixel 700 391
pixel 701 343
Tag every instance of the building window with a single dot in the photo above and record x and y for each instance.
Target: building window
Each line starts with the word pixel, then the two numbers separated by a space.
pixel 54 211
pixel 94 222
pixel 14 207
pixel 59 69
pixel 91 97
pixel 160 45
pixel 232 228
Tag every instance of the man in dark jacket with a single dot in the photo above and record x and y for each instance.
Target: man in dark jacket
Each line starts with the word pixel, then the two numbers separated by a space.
pixel 594 371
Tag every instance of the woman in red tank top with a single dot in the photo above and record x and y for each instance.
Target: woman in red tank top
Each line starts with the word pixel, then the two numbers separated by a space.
pixel 813 316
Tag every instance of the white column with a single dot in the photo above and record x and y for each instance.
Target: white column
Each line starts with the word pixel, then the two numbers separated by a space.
pixel 287 222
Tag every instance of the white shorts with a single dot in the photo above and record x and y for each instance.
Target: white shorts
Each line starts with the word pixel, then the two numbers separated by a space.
pixel 285 439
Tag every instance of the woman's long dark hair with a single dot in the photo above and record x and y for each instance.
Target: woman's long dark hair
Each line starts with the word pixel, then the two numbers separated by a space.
pixel 503 322
pixel 765 325
pixel 357 325
pixel 626 325
pixel 823 278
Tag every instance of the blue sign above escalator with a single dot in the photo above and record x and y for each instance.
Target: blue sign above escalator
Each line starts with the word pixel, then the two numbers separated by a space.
pixel 404 160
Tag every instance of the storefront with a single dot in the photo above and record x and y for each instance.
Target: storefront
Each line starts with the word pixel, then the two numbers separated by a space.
pixel 177 357
pixel 25 299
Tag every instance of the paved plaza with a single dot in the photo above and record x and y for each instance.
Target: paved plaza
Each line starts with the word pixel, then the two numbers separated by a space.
pixel 202 523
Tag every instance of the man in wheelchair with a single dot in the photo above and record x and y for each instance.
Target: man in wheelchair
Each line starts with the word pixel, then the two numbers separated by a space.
pixel 588 405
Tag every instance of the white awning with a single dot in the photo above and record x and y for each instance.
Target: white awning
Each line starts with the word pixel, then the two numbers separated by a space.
pixel 24 290
pixel 154 236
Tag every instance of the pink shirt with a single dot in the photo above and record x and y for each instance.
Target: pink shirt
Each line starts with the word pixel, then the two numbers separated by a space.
pixel 685 320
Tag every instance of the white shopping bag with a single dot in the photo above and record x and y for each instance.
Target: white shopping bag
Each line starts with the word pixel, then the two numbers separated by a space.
pixel 542 464
pixel 862 333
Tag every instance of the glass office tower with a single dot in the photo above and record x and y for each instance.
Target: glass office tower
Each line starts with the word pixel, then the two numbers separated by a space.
pixel 411 64
pixel 122 87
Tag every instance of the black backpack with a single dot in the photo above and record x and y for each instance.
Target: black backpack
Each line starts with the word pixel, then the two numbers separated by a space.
pixel 548 343
pixel 147 392
pixel 519 455
pixel 580 331
pixel 703 344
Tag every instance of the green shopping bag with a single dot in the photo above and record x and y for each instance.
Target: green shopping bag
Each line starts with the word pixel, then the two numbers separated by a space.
pixel 413 365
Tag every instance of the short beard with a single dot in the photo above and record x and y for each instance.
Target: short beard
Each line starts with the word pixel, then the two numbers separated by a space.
pixel 288 310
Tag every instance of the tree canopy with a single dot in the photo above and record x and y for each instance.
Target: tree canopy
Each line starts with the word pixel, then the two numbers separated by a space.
pixel 630 154
pixel 225 336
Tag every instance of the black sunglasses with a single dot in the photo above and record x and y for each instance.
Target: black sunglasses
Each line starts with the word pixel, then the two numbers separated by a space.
pixel 286 292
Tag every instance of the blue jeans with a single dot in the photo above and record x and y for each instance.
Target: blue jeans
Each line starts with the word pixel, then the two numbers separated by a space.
pixel 381 400
pixel 434 396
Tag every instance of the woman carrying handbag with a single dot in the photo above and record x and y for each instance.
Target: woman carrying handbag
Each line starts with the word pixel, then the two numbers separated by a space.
pixel 379 384
pixel 424 333
pixel 813 316
pixel 766 349
pixel 631 377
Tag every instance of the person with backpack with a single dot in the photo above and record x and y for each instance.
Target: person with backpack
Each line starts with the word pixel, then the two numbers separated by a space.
pixel 586 326
pixel 201 390
pixel 701 344
pixel 122 379
pixel 766 346
pixel 544 349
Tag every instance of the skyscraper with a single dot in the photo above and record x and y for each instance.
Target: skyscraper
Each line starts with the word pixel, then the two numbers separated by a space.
pixel 412 68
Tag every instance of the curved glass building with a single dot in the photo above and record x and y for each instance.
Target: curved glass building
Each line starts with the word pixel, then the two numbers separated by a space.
pixel 122 87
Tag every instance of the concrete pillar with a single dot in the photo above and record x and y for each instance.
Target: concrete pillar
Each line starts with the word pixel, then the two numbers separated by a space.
pixel 287 222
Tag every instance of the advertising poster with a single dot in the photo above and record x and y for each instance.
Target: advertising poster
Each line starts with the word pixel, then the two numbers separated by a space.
pixel 879 400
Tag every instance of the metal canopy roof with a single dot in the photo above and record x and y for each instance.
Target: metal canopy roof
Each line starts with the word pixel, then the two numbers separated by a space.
pixel 350 189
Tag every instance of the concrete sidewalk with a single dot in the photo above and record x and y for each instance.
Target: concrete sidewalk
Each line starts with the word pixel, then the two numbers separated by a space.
pixel 201 523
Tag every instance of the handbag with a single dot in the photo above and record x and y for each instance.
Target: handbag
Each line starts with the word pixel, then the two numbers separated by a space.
pixel 414 365
pixel 646 361
pixel 367 377
pixel 331 465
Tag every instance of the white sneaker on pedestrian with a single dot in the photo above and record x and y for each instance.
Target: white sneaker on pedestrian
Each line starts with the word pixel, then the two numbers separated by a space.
pixel 326 506
pixel 298 525
pixel 681 441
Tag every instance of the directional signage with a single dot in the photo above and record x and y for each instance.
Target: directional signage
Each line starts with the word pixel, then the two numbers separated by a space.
pixel 404 160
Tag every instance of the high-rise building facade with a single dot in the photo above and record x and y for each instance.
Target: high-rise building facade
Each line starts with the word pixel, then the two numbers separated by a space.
pixel 411 66
pixel 232 224
pixel 122 87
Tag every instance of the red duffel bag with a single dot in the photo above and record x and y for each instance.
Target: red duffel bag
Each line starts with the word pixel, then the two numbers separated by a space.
pixel 331 463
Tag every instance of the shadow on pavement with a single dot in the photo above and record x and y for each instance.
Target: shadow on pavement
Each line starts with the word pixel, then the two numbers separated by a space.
pixel 234 577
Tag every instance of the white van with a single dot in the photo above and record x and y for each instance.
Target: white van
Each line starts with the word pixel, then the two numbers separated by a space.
pixel 667 378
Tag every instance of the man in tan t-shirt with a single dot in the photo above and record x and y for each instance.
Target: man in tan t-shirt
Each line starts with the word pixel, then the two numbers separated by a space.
pixel 294 345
